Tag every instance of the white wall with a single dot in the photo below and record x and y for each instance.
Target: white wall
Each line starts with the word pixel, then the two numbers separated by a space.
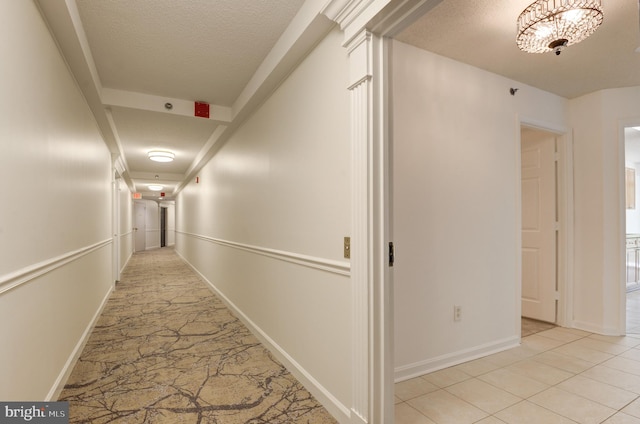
pixel 55 219
pixel 456 207
pixel 597 120
pixel 265 225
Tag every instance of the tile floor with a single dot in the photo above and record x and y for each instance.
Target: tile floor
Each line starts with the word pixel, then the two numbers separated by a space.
pixel 557 375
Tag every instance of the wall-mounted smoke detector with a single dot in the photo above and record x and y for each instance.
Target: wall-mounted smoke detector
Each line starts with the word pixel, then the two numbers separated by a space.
pixel 161 156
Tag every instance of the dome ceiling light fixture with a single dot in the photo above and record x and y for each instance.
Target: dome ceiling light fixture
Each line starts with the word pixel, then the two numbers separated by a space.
pixel 161 156
pixel 552 25
pixel 155 187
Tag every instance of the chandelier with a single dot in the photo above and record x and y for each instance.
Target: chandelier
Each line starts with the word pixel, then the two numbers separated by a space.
pixel 551 25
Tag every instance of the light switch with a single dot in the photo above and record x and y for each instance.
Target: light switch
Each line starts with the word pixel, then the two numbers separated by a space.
pixel 347 247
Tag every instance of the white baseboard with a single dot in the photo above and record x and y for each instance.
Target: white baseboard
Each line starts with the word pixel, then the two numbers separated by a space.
pixel 417 369
pixel 597 329
pixel 55 391
pixel 336 408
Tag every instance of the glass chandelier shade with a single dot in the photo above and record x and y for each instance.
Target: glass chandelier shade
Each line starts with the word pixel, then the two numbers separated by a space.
pixel 551 25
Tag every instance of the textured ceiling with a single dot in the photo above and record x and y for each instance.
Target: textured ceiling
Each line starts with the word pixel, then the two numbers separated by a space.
pixel 482 33
pixel 180 52
pixel 198 49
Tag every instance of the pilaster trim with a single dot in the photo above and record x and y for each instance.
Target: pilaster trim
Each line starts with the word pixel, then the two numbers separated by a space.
pixel 362 142
pixel 344 12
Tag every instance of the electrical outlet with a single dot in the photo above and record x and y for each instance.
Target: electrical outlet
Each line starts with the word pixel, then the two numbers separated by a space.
pixel 457 312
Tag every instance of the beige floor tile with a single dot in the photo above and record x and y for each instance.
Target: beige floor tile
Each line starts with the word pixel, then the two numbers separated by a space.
pixel 623 364
pixel 528 413
pixel 397 400
pixel 603 393
pixel 622 340
pixel 540 372
pixel 541 343
pixel 483 395
pixel 575 331
pixel 633 408
pixel 602 346
pixel 512 356
pixel 622 418
pixel 614 377
pixel 447 377
pixel 513 383
pixel 560 334
pixel 490 420
pixel 477 367
pixel 584 353
pixel 632 354
pixel 444 408
pixel 415 387
pixel 563 362
pixel 405 414
pixel 572 406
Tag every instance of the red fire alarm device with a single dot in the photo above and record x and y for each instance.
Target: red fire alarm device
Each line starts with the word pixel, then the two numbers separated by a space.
pixel 162 194
pixel 202 109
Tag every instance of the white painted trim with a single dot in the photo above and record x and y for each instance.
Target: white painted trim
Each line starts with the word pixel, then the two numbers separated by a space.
pixel 24 275
pixel 565 207
pixel 597 329
pixel 416 369
pixel 622 219
pixel 335 267
pixel 60 382
pixel 324 396
pixel 363 281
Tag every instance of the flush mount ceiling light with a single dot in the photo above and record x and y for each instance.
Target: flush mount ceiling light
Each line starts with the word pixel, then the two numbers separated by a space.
pixel 155 187
pixel 551 25
pixel 161 156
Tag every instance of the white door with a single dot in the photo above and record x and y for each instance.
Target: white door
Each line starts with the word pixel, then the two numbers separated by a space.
pixel 538 225
pixel 140 229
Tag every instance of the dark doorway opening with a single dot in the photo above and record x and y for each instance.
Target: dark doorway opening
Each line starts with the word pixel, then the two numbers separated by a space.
pixel 163 227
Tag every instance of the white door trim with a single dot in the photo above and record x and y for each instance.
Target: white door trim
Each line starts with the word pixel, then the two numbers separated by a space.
pixel 622 219
pixel 565 206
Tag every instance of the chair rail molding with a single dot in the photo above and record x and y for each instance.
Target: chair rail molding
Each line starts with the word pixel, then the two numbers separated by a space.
pixel 30 273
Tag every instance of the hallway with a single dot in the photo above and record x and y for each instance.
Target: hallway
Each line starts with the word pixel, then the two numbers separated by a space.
pixel 166 349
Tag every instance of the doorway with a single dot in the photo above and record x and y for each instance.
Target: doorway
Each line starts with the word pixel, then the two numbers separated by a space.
pixel 539 224
pixel 632 228
pixel 140 211
pixel 163 226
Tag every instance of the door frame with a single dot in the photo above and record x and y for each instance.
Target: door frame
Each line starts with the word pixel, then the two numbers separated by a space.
pixel 163 226
pixel 115 195
pixel 565 205
pixel 622 219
